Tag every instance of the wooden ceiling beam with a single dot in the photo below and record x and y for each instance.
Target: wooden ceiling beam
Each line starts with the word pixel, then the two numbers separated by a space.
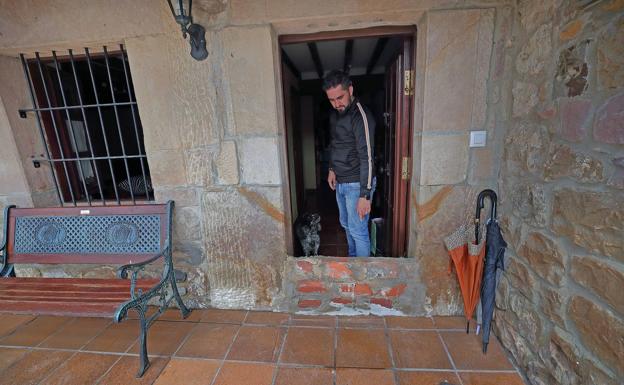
pixel 316 59
pixel 379 47
pixel 348 56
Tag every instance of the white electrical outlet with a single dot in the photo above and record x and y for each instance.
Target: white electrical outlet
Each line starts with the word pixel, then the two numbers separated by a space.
pixel 478 138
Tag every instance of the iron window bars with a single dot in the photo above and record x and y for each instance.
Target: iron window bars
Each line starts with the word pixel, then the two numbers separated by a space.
pixel 88 121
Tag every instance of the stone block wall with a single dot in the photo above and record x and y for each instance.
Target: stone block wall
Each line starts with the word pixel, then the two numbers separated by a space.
pixel 467 51
pixel 560 309
pixel 211 139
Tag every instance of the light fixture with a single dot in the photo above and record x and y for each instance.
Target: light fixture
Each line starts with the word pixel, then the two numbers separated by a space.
pixel 181 10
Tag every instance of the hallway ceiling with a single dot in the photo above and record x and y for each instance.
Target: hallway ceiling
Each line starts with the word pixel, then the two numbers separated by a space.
pixel 365 56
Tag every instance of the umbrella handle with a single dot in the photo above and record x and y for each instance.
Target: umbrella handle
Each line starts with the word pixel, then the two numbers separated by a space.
pixel 480 204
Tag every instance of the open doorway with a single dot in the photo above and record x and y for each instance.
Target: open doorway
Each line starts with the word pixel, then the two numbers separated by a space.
pixel 379 62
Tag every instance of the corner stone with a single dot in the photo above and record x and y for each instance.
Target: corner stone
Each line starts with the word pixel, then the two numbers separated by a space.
pixel 260 161
pixel 524 98
pixel 600 331
pixel 227 164
pixel 602 279
pixel 573 116
pixel 591 220
pixel 610 51
pixel 609 123
pixel 545 257
pixel 564 162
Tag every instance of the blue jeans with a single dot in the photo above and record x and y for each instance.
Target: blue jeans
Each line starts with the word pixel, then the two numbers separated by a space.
pixel 347 195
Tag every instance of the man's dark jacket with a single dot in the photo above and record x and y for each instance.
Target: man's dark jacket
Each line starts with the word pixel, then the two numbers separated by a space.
pixel 352 143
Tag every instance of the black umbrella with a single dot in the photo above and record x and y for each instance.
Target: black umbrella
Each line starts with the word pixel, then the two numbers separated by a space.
pixel 495 247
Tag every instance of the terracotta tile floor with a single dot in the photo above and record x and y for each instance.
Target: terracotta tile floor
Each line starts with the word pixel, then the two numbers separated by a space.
pixel 228 347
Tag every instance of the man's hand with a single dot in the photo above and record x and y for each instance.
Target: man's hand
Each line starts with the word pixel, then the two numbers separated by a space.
pixel 363 207
pixel 331 179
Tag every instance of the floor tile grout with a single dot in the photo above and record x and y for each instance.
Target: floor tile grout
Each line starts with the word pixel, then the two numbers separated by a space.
pixel 107 371
pixel 279 356
pixel 184 340
pixel 391 352
pixel 448 353
pixel 58 367
pixel 228 350
pixel 69 322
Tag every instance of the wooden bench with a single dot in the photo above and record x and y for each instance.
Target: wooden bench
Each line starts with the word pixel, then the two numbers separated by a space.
pixel 130 236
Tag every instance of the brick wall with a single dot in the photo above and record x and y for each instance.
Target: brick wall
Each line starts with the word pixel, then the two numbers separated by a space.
pixel 352 285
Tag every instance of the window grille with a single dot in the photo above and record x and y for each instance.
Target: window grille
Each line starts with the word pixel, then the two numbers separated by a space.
pixel 89 124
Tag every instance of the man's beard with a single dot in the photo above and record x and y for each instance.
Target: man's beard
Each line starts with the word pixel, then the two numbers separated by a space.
pixel 344 110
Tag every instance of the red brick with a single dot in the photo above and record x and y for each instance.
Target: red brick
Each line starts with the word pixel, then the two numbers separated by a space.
pixel 305 266
pixel 395 291
pixel 339 270
pixel 309 303
pixel 363 289
pixel 311 287
pixel 343 300
pixel 346 288
pixel 385 302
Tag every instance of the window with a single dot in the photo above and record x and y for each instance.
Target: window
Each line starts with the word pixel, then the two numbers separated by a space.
pixel 89 123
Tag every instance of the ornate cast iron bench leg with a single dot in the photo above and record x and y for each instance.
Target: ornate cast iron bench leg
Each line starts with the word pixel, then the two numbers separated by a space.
pixel 143 348
pixel 174 287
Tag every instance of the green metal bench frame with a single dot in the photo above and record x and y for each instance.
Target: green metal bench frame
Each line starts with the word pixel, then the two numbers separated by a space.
pixel 75 235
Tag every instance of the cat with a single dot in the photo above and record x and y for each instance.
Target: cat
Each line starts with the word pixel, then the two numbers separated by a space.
pixel 307 228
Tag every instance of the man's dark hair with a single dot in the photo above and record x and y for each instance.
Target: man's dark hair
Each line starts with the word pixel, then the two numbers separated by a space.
pixel 334 78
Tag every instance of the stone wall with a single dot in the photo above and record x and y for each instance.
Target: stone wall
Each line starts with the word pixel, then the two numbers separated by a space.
pixel 212 145
pixel 214 130
pixel 560 309
pixel 11 168
pixel 466 51
pixel 24 183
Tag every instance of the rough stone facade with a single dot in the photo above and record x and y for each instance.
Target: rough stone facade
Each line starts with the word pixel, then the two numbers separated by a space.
pixel 560 309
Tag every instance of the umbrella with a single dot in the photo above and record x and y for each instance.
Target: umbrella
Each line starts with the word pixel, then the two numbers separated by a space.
pixel 494 256
pixel 467 257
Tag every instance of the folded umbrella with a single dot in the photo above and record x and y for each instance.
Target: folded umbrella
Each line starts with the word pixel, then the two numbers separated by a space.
pixel 467 257
pixel 494 262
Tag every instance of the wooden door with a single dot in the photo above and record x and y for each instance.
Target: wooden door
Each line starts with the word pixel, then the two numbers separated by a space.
pixel 397 172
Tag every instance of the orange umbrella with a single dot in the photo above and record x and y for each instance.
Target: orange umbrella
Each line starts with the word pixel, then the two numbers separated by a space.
pixel 468 259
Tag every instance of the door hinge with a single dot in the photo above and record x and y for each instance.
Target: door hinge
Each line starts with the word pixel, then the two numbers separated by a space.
pixel 408 83
pixel 405 175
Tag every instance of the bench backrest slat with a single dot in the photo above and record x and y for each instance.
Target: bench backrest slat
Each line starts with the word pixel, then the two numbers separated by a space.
pixel 87 235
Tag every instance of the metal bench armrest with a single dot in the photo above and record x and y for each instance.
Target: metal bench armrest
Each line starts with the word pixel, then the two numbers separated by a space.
pixel 122 271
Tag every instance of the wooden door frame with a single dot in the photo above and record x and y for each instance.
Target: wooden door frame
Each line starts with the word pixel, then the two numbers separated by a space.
pixel 407 118
pixel 407 30
pixel 403 148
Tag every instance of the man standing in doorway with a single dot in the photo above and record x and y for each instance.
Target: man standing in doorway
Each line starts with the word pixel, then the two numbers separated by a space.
pixel 351 162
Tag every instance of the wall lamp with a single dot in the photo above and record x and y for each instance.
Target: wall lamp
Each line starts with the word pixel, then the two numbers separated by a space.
pixel 181 10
